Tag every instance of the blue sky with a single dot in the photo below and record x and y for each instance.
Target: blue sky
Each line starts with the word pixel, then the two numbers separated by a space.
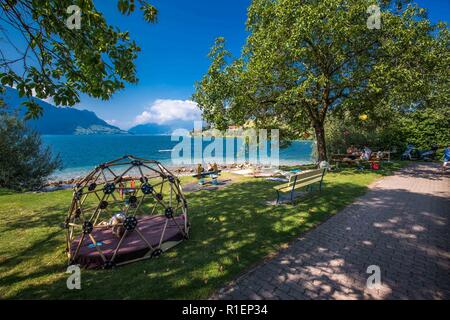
pixel 174 55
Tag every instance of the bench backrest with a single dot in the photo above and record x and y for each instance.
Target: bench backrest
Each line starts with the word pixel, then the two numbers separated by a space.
pixel 302 179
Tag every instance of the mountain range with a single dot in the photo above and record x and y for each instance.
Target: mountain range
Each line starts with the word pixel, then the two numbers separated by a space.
pixel 59 120
pixel 150 128
pixel 158 129
pixel 67 120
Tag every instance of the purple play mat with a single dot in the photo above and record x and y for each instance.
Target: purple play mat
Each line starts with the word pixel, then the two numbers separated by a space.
pixel 133 246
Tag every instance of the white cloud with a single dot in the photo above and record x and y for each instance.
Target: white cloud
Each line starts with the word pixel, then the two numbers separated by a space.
pixel 112 122
pixel 166 110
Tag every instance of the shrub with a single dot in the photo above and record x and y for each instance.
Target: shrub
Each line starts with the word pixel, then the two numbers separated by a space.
pixel 423 128
pixel 426 128
pixel 341 134
pixel 24 162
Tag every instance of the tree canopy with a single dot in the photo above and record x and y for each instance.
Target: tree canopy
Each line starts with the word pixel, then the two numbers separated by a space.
pixel 41 55
pixel 305 59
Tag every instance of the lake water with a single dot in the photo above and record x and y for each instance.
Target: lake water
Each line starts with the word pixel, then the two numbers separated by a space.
pixel 81 153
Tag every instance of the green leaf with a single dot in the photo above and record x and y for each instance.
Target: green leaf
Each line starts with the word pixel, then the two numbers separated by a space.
pixel 84 60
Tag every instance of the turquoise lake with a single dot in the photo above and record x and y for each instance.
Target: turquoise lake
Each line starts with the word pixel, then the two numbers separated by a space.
pixel 80 153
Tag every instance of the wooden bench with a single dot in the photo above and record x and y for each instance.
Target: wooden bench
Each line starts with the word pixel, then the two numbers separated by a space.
pixel 385 156
pixel 299 180
pixel 345 158
pixel 338 159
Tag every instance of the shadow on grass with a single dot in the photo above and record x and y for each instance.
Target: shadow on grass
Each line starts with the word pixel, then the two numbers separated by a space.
pixel 232 229
pixel 386 168
pixel 51 218
pixel 6 192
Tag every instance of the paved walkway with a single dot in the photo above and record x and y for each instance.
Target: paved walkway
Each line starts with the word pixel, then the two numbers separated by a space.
pixel 401 225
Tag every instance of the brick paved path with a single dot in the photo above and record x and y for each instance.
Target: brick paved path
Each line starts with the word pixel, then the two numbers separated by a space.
pixel 401 225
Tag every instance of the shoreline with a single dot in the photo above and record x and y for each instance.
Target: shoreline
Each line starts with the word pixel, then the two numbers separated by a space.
pixel 64 182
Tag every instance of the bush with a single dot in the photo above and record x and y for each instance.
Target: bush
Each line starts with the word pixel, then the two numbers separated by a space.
pixel 423 128
pixel 24 162
pixel 426 128
pixel 342 134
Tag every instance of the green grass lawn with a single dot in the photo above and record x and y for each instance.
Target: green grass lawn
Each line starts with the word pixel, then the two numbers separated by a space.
pixel 232 229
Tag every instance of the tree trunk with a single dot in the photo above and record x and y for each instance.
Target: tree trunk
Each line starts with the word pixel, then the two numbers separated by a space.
pixel 320 138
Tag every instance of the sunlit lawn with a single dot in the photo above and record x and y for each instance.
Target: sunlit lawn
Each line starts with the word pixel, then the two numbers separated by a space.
pixel 232 229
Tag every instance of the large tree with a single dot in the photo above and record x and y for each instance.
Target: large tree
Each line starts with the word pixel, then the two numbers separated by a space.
pixel 306 58
pixel 44 53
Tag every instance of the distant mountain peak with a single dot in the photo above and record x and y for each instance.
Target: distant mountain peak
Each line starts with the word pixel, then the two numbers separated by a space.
pixel 60 120
pixel 150 128
pixel 164 128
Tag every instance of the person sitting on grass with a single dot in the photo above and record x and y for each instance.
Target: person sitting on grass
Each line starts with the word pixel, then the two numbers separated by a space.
pixel 446 157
